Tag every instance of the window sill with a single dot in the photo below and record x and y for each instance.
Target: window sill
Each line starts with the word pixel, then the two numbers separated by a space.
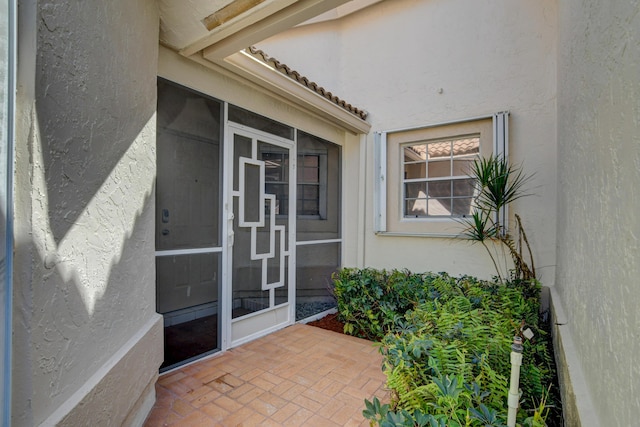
pixel 417 234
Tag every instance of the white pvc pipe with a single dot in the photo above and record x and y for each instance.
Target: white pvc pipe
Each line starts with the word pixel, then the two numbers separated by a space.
pixel 514 395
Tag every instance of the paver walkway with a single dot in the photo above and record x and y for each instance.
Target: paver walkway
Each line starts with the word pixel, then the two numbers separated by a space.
pixel 298 376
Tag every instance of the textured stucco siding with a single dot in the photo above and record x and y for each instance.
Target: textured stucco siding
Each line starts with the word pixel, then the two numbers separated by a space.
pixel 6 118
pixel 85 209
pixel 415 63
pixel 598 200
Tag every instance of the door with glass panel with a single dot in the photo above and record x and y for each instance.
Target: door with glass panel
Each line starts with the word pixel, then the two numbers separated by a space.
pixel 262 197
pixel 188 222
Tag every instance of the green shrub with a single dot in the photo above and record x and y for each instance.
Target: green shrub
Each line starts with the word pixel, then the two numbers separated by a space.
pixel 446 344
pixel 373 302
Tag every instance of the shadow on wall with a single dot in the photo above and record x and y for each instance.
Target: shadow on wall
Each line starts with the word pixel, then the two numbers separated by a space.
pixel 85 269
pixel 89 110
pixel 59 345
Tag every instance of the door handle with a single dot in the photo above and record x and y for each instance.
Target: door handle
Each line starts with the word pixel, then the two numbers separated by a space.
pixel 230 234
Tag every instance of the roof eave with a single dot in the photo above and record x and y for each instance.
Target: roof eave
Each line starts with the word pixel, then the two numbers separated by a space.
pixel 259 23
pixel 262 74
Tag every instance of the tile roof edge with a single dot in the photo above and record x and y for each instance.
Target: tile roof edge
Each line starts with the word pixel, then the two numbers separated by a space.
pixel 304 81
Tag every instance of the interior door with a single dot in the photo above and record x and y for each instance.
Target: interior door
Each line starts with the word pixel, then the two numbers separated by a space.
pixel 260 232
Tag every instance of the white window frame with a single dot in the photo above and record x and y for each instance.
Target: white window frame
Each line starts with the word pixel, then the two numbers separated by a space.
pixel 433 164
pixel 500 131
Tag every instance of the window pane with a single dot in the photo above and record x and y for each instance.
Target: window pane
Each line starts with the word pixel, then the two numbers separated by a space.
pixel 310 192
pixel 309 207
pixel 414 190
pixel 308 196
pixel 462 166
pixel 309 168
pixel 439 207
pixel 311 175
pixel 466 146
pixel 439 189
pixel 415 208
pixel 439 169
pixel 415 170
pixel 463 206
pixel 463 187
pixel 311 161
pixel 415 153
pixel 438 150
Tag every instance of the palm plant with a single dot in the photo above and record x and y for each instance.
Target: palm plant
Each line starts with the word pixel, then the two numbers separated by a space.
pixel 498 183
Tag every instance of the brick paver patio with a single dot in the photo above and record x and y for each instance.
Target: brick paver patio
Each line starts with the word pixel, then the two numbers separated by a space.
pixel 298 376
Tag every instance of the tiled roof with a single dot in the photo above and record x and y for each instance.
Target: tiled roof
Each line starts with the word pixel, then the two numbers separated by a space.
pixel 294 75
pixel 460 147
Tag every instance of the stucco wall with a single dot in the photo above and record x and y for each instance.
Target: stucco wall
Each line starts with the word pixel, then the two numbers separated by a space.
pixel 85 210
pixel 413 63
pixel 598 202
pixel 7 30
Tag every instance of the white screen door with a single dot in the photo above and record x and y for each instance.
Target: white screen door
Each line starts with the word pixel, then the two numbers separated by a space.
pixel 260 229
pixel 260 232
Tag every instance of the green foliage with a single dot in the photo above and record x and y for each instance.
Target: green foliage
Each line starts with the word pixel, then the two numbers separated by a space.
pixel 446 344
pixel 540 413
pixel 373 302
pixel 499 183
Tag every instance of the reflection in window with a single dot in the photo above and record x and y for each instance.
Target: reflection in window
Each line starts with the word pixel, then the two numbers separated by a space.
pixel 436 177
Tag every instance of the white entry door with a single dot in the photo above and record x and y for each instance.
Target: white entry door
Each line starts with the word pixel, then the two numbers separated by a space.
pixel 260 202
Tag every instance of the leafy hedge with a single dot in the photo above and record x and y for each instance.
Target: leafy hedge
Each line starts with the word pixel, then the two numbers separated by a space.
pixel 446 345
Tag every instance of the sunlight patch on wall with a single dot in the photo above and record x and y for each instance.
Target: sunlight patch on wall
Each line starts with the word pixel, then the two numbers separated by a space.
pixel 95 241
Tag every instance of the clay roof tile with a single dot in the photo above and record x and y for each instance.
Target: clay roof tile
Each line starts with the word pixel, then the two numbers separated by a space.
pixel 304 81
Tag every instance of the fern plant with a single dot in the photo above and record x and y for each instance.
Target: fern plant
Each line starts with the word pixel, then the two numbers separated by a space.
pixel 446 351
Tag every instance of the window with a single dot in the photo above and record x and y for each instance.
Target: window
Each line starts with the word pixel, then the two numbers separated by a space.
pixel 312 171
pixel 318 188
pixel 312 180
pixel 436 181
pixel 423 183
pixel 309 188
